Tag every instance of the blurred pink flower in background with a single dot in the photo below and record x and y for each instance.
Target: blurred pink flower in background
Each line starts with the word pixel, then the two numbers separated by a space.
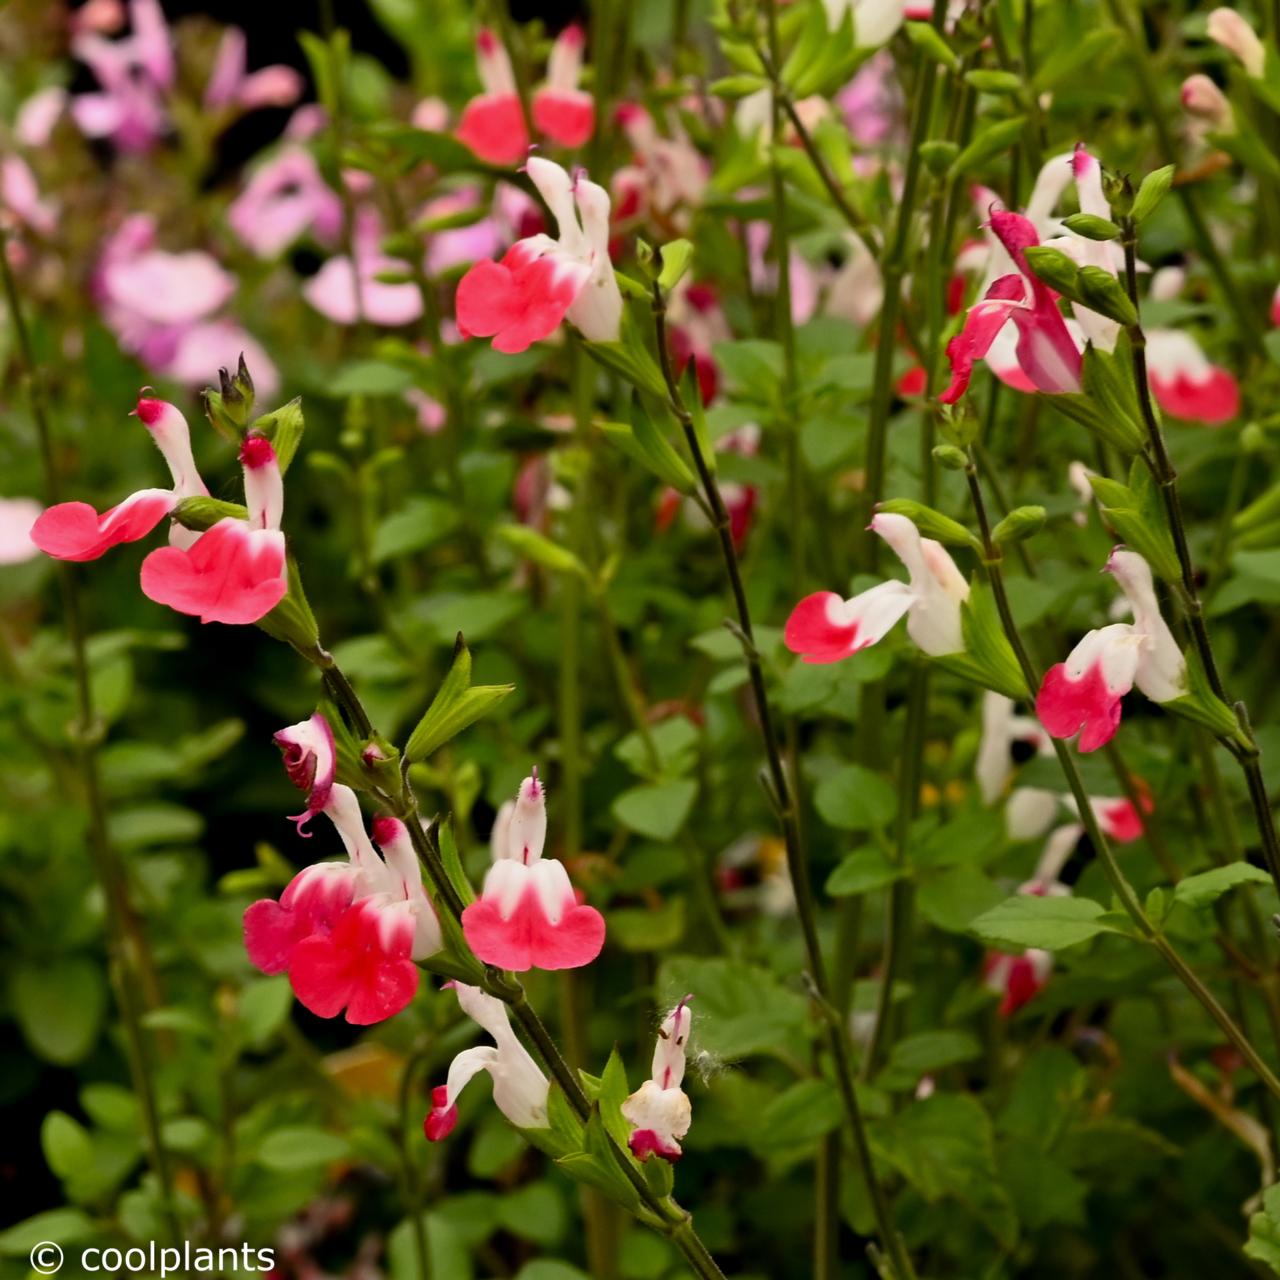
pixel 163 308
pixel 17 515
pixel 232 84
pixel 285 199
pixel 347 293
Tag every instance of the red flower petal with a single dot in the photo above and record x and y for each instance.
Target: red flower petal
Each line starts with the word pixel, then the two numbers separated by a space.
pixel 75 531
pixel 493 126
pixel 1064 706
pixel 811 633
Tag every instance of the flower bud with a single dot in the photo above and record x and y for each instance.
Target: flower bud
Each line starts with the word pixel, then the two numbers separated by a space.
pixel 203 513
pixel 947 455
pixel 1236 36
pixel 1055 268
pixel 1091 226
pixel 1020 523
pixel 1204 100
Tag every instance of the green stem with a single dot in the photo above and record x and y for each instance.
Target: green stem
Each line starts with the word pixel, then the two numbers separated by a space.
pixel 129 963
pixel 780 792
pixel 1243 745
pixel 898 911
pixel 1120 885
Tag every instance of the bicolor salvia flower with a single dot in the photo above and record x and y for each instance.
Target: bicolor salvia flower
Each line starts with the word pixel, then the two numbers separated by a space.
pixel 528 915
pixel 540 280
pixel 236 571
pixel 1083 694
pixel 347 933
pixel 659 1112
pixel 1047 354
pixel 493 123
pixel 519 1087
pixel 75 531
pixel 824 627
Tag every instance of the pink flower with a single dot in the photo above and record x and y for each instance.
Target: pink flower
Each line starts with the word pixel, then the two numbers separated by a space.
pixel 1204 100
pixel 667 175
pixel 540 281
pixel 285 199
pixel 1046 352
pixel 75 531
pixel 135 74
pixel 38 116
pixel 231 84
pixel 457 245
pixel 235 573
pixel 348 933
pixel 311 762
pixel 824 627
pixel 17 516
pixel 519 1087
pixel 871 102
pixel 1085 692
pixel 659 1111
pixel 333 291
pixel 528 916
pixel 20 196
pixel 562 111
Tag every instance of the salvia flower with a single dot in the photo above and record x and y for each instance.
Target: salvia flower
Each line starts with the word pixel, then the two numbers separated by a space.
pixel 283 200
pixel 493 123
pixel 1083 694
pixel 659 1112
pixel 232 85
pixel 311 761
pixel 519 1087
pixel 75 531
pixel 1204 100
pixel 528 916
pixel 825 628
pixel 236 571
pixel 348 933
pixel 1047 354
pixel 541 280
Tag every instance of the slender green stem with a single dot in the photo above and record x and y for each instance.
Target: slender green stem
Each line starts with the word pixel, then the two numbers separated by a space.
pixel 129 961
pixel 1120 885
pixel 898 910
pixel 781 794
pixel 1243 745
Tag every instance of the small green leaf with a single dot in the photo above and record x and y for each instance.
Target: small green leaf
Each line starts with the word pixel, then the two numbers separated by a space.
pixel 853 798
pixel 1049 923
pixel 931 44
pixel 298 1147
pixel 539 548
pixel 677 255
pixel 994 139
pixel 1155 186
pixel 861 872
pixel 1205 888
pixel 657 811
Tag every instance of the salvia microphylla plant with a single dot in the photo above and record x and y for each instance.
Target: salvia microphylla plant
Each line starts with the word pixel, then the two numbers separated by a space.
pixel 648 372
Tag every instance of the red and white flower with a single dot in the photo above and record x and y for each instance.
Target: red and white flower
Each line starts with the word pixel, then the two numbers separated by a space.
pixel 1046 352
pixel 1016 979
pixel 528 915
pixel 541 280
pixel 659 1112
pixel 1083 694
pixel 311 761
pixel 493 123
pixel 75 531
pixel 236 572
pixel 519 1087
pixel 825 628
pixel 348 933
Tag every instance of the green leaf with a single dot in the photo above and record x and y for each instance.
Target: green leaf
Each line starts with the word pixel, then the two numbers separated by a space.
pixel 924 1052
pixel 933 524
pixel 1091 226
pixel 657 451
pixel 535 546
pixel 741 1009
pixel 1155 186
pixel 613 1092
pixel 944 1146
pixel 295 1148
pixel 734 87
pixel 369 378
pixel 1049 923
pixel 59 1004
pixel 62 1226
pixel 853 798
pixel 1205 888
pixel 992 140
pixel 1263 1244
pixel 455 706
pixel 420 523
pixel 931 44
pixel 862 871
pixel 799 1116
pixel 657 811
pixel 66 1144
pixel 676 258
